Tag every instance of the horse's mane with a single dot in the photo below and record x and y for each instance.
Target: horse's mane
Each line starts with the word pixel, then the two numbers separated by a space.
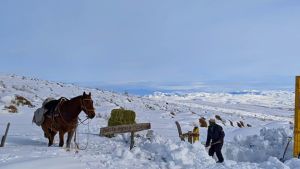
pixel 74 98
pixel 77 97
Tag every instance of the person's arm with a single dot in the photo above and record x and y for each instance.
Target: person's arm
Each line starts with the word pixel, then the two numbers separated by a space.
pixel 208 138
pixel 222 135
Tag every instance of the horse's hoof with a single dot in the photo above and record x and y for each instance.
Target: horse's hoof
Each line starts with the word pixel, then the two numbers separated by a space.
pixel 61 145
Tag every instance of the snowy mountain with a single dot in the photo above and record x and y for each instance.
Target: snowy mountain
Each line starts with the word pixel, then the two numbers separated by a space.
pixel 266 115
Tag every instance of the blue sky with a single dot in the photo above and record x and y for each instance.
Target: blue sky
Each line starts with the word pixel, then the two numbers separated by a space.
pixel 150 40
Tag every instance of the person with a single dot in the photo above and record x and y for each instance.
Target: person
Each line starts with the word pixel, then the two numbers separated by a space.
pixel 215 139
pixel 196 134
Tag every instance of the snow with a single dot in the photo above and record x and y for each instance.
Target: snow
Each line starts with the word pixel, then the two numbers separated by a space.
pixel 271 141
pixel 269 112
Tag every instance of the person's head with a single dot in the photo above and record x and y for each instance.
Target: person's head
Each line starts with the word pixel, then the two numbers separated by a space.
pixel 212 122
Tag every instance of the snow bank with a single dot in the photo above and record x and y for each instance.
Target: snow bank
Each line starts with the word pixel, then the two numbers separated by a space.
pixel 293 163
pixel 270 142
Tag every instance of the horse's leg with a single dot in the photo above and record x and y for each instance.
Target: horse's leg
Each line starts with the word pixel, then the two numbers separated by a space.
pixel 47 133
pixel 61 138
pixel 45 129
pixel 70 135
pixel 52 135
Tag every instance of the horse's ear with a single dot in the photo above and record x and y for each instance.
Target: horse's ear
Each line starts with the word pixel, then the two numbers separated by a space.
pixel 84 93
pixel 90 94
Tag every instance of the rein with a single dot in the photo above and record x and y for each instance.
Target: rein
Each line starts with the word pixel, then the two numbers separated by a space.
pixel 88 135
pixel 83 107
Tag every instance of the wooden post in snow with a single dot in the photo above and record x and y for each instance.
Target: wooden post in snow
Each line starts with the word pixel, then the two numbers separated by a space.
pixel 131 140
pixel 5 135
pixel 179 131
pixel 297 119
pixel 190 137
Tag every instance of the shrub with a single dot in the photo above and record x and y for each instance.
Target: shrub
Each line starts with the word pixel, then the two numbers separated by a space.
pixel 20 100
pixel 11 109
pixel 238 124
pixel 242 123
pixel 231 123
pixel 149 107
pixel 218 117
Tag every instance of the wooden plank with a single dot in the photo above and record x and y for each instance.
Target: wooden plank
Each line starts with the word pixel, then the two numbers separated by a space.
pixel 179 131
pixel 124 128
pixel 5 135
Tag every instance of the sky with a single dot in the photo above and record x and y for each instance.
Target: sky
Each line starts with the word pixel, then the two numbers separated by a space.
pixel 131 41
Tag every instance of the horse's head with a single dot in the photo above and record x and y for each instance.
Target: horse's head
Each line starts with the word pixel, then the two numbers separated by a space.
pixel 87 105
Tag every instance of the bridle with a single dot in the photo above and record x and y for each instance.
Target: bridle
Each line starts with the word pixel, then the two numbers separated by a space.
pixel 84 108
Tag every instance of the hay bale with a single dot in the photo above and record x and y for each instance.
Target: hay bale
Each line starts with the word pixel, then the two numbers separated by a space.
pixel 202 122
pixel 121 117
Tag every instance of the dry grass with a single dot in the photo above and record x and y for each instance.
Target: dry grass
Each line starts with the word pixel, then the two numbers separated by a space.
pixel 11 109
pixel 218 117
pixel 149 107
pixel 231 123
pixel 242 123
pixel 239 125
pixel 20 100
pixel 202 122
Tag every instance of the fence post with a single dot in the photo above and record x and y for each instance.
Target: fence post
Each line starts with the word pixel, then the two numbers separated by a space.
pixel 190 137
pixel 179 131
pixel 5 135
pixel 297 119
pixel 131 140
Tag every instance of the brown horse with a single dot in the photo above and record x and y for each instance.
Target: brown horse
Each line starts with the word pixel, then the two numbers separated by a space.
pixel 65 118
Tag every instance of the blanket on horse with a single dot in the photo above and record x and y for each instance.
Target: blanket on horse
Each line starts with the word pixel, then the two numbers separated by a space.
pixel 48 105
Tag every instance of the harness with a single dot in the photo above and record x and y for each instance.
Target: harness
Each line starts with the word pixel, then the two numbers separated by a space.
pixel 57 111
pixel 83 106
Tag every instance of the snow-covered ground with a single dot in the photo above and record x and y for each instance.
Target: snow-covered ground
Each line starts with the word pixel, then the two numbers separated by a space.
pixel 270 114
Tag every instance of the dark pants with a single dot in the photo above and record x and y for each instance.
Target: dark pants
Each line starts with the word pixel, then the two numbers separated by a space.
pixel 216 148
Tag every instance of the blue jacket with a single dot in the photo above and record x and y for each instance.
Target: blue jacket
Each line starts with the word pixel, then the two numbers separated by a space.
pixel 215 133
